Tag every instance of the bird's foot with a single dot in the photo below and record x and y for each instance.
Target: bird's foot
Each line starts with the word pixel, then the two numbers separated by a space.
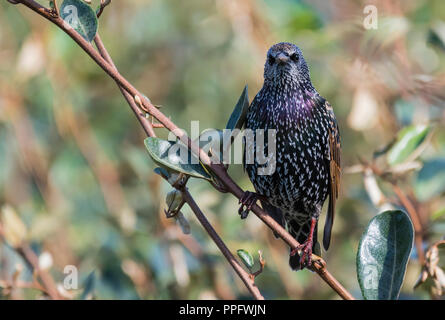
pixel 247 201
pixel 306 247
pixel 306 253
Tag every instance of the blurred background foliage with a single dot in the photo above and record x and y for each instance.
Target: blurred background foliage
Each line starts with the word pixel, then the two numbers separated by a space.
pixel 74 169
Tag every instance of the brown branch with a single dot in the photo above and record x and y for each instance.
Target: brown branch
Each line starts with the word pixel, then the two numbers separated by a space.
pixel 145 123
pixel 418 236
pixel 245 277
pixel 103 4
pixel 33 262
pixel 218 169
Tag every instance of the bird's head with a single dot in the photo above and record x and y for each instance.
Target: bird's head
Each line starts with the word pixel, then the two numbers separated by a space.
pixel 285 65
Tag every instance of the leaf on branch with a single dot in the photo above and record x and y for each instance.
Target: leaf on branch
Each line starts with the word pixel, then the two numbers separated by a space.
pixel 246 258
pixel 81 17
pixel 383 254
pixel 238 116
pixel 174 201
pixel 409 139
pixel 174 156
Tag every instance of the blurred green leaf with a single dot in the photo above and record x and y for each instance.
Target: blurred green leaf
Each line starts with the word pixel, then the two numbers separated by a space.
pixel 162 172
pixel 383 255
pixel 438 214
pixel 430 179
pixel 383 150
pixel 88 286
pixel 245 257
pixel 81 17
pixel 175 156
pixel 407 142
pixel 238 116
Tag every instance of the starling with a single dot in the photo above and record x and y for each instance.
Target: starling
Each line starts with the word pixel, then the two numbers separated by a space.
pixel 307 157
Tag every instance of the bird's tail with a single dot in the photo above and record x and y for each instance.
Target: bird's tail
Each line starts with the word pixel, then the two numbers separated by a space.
pixel 300 231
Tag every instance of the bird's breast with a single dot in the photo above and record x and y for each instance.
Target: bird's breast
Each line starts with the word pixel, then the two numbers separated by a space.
pixel 300 178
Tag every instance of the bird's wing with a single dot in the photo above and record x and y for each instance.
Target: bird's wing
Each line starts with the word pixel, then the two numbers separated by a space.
pixel 334 175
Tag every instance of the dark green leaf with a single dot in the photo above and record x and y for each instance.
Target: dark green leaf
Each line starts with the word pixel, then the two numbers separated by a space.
pixel 88 286
pixel 81 17
pixel 407 142
pixel 383 254
pixel 430 179
pixel 175 156
pixel 245 257
pixel 162 172
pixel 238 116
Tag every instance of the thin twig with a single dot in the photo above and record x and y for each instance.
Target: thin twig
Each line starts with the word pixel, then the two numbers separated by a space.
pixel 218 169
pixel 414 215
pixel 418 237
pixel 245 277
pixel 145 123
pixel 33 262
pixel 103 4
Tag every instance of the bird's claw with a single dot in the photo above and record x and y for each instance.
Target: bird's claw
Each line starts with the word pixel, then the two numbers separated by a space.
pixel 246 202
pixel 306 253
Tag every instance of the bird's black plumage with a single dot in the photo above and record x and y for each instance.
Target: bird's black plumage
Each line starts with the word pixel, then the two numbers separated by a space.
pixel 307 162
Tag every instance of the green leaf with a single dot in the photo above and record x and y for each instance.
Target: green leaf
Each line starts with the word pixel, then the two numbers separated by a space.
pixel 245 257
pixel 438 214
pixel 430 179
pixel 89 286
pixel 407 142
pixel 81 17
pixel 383 254
pixel 162 172
pixel 238 116
pixel 176 157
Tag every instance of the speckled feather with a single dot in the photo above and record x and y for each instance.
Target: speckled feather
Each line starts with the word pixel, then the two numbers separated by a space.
pixel 307 145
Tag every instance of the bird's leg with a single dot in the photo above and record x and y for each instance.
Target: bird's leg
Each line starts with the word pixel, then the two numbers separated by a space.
pixel 247 200
pixel 306 247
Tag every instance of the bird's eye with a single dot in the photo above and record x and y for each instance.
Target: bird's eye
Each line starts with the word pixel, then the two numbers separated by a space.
pixel 271 60
pixel 294 57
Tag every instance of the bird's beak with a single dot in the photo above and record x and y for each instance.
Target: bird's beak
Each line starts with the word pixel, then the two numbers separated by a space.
pixel 282 58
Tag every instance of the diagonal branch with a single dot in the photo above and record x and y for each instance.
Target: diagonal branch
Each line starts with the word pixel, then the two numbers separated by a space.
pixel 32 260
pixel 187 196
pixel 219 170
pixel 245 277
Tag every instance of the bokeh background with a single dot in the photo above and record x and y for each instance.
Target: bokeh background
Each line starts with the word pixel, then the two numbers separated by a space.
pixel 78 184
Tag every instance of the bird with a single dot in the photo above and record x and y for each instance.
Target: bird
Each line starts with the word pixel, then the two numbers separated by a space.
pixel 305 169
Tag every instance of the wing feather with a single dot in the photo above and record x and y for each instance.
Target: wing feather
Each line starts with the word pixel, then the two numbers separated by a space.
pixel 334 178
